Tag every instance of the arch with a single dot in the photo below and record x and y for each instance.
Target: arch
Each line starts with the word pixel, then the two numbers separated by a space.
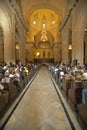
pixel 31 10
pixel 6 25
pixel 78 33
pixel 78 25
pixel 57 7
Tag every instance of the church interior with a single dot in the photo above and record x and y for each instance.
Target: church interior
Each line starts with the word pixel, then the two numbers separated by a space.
pixel 48 31
pixel 37 37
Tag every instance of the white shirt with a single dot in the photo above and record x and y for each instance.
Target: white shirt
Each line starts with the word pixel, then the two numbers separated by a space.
pixel 84 75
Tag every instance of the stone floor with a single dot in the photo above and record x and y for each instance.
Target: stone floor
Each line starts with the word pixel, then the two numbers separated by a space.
pixel 40 108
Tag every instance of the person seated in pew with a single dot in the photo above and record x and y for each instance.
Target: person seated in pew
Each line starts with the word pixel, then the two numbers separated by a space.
pixel 11 74
pixel 84 75
pixel 69 76
pixel 1 86
pixel 84 91
pixel 6 78
pixel 17 79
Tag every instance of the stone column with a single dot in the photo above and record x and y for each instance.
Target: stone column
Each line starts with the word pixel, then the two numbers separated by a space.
pixel 21 41
pixel 9 50
pixel 78 43
pixel 22 52
pixel 65 43
pixel 6 22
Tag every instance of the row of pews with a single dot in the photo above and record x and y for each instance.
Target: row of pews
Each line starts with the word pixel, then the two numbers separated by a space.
pixel 11 92
pixel 72 91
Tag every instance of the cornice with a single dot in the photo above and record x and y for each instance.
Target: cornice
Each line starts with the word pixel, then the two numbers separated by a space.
pixel 18 13
pixel 68 15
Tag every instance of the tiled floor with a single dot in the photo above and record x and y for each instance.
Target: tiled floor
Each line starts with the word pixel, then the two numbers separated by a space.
pixel 40 108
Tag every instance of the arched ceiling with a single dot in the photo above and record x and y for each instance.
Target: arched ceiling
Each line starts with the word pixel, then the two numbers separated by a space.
pixel 43 19
pixel 39 14
pixel 43 16
pixel 29 6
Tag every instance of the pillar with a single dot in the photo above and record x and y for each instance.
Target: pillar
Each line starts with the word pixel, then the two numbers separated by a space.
pixel 22 52
pixel 65 43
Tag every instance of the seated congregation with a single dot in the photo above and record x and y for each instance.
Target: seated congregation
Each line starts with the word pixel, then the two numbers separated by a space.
pixel 13 79
pixel 74 87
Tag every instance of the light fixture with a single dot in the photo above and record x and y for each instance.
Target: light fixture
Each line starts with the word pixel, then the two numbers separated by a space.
pixel 53 21
pixel 38 53
pixel 34 22
pixel 70 47
pixel 44 35
pixel 44 25
pixel 85 29
pixel 44 39
pixel 17 47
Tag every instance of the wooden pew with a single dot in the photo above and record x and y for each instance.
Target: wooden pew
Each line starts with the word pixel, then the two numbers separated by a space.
pixel 83 111
pixel 75 93
pixel 11 89
pixel 66 86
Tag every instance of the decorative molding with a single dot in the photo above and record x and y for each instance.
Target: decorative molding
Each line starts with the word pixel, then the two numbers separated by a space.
pixel 18 13
pixel 68 15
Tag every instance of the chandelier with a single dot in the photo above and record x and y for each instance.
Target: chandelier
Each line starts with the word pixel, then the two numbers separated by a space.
pixel 44 35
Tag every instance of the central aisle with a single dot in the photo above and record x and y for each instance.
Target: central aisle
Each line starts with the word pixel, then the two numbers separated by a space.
pixel 40 108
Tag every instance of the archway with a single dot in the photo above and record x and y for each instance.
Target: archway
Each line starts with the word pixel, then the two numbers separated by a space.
pixel 43 32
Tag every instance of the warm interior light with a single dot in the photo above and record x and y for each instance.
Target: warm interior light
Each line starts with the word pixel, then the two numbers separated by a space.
pixel 38 53
pixel 34 22
pixel 43 39
pixel 53 21
pixel 85 29
pixel 44 25
pixel 70 47
pixel 17 47
pixel 44 35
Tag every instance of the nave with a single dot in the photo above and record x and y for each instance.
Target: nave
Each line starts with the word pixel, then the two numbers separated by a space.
pixel 41 108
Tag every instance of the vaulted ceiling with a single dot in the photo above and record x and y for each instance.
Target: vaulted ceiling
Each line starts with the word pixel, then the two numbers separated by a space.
pixel 43 16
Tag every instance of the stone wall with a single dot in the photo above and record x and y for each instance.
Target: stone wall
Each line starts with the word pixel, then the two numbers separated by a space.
pixel 78 20
pixel 8 20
